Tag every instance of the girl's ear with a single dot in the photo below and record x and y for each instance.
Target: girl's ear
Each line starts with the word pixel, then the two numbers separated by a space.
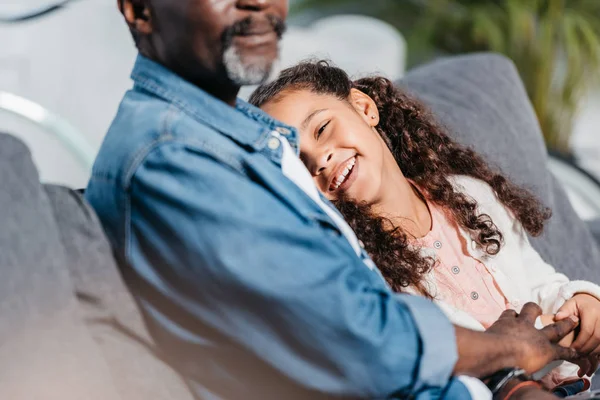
pixel 365 106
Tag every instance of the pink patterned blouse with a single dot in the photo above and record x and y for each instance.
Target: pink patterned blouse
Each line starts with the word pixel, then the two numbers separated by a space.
pixel 462 281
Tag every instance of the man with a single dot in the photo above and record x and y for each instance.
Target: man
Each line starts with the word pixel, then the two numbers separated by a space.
pixel 252 284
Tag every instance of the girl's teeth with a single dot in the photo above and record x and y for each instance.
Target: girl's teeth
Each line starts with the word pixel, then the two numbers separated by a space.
pixel 342 177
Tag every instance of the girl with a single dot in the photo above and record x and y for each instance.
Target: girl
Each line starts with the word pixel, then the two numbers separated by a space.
pixel 436 219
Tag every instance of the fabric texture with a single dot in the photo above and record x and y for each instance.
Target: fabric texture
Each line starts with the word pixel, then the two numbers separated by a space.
pixel 520 272
pixel 46 352
pixel 461 280
pixel 481 100
pixel 70 329
pixel 109 311
pixel 537 282
pixel 594 226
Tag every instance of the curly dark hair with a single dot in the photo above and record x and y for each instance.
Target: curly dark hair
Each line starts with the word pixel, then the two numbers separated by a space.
pixel 427 156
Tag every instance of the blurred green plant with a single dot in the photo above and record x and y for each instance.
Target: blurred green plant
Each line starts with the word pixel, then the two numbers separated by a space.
pixel 555 44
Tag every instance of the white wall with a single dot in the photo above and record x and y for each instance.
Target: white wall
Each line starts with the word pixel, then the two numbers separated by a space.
pixel 75 62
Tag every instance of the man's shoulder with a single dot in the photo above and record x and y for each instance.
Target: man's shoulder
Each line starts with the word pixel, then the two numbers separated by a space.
pixel 143 119
pixel 145 123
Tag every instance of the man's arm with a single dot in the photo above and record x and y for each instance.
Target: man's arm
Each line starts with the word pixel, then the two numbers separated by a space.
pixel 237 258
pixel 482 354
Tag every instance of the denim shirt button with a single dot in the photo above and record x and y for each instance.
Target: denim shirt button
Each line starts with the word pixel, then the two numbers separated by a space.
pixel 274 143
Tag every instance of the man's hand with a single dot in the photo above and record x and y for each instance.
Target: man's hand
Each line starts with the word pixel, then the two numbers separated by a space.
pixel 513 341
pixel 567 341
pixel 534 348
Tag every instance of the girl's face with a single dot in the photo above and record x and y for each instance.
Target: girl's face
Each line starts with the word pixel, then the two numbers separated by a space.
pixel 338 142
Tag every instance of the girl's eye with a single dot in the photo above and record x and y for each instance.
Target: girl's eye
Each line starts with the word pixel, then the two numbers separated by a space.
pixel 321 129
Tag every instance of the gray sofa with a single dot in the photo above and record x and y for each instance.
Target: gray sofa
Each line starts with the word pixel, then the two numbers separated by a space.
pixel 71 329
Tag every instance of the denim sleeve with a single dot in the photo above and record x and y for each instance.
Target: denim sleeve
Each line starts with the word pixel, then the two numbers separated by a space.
pixel 237 258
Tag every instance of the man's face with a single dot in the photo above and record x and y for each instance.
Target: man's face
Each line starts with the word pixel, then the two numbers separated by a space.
pixel 239 37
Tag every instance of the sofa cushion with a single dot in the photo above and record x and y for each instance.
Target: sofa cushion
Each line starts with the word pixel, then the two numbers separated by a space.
pixel 481 100
pixel 108 309
pixel 70 329
pixel 594 226
pixel 46 352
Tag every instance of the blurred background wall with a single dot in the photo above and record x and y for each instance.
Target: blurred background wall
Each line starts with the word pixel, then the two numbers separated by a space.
pixel 555 45
pixel 76 61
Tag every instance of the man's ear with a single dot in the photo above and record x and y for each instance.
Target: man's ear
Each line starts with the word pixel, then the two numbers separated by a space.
pixel 137 15
pixel 365 106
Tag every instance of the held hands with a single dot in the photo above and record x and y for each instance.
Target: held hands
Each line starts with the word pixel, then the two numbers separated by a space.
pixel 548 319
pixel 587 341
pixel 534 348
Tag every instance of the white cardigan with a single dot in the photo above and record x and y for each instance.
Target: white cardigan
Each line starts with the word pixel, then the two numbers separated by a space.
pixel 518 269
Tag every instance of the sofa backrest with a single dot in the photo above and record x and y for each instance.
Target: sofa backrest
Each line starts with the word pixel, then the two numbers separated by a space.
pixel 70 328
pixel 47 351
pixel 108 309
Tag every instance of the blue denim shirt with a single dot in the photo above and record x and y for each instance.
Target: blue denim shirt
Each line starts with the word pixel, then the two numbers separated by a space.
pixel 248 287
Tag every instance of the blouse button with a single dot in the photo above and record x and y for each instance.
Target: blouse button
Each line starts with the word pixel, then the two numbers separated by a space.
pixel 437 244
pixel 455 270
pixel 474 295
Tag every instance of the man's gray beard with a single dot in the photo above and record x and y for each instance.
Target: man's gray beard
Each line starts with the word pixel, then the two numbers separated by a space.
pixel 245 75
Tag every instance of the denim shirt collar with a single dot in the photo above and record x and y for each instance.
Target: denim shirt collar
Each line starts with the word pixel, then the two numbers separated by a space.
pixel 246 124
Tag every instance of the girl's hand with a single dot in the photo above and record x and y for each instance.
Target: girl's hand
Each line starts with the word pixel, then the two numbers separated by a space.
pixel 587 341
pixel 587 309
